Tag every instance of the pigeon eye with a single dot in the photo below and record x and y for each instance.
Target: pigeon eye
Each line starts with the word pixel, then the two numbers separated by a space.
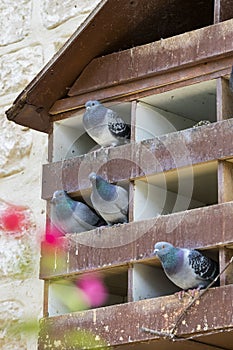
pixel 93 103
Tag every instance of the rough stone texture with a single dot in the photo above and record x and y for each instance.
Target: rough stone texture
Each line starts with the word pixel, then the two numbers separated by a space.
pixel 15 146
pixel 55 12
pixel 14 20
pixel 17 69
pixel 26 39
pixel 14 308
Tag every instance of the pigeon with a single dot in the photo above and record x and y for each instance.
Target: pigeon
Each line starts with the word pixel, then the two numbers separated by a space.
pixel 104 125
pixel 110 201
pixel 187 268
pixel 71 216
pixel 231 80
pixel 201 123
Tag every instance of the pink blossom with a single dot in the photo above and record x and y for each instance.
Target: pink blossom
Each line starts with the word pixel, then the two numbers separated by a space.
pixel 52 235
pixel 94 289
pixel 12 220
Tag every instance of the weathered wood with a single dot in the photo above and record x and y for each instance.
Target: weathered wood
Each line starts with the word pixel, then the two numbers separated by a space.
pixel 224 100
pixel 217 11
pixel 225 254
pixel 159 314
pixel 175 150
pixel 145 87
pixel 105 247
pixel 225 181
pixel 139 62
pixel 102 33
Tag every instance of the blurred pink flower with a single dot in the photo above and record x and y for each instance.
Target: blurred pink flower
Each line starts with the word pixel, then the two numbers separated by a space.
pixel 52 235
pixel 12 220
pixel 94 289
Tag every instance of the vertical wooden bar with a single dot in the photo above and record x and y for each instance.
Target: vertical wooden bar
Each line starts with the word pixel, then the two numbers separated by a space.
pixel 217 7
pixel 225 255
pixel 50 146
pixel 46 298
pixel 225 181
pixel 130 284
pixel 133 120
pixel 133 137
pixel 225 171
pixel 224 100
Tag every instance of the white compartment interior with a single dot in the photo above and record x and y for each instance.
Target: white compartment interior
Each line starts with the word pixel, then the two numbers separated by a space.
pixel 175 191
pixel 175 110
pixel 150 282
pixel 115 280
pixel 71 140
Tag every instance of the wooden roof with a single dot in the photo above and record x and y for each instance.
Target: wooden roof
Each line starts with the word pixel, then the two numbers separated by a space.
pixel 113 26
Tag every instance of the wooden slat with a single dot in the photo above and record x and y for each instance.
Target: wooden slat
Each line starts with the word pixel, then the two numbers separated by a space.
pixel 124 244
pixel 217 6
pixel 121 324
pixel 147 86
pixel 225 254
pixel 164 55
pixel 149 60
pixel 225 181
pixel 224 100
pixel 192 146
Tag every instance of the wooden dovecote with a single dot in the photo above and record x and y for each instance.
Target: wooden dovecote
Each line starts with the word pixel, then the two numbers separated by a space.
pixel 164 66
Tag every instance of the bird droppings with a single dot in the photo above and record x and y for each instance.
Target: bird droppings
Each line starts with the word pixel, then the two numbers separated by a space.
pixel 97 337
pixel 106 328
pixel 121 338
pixel 198 327
pixel 57 343
pixel 184 322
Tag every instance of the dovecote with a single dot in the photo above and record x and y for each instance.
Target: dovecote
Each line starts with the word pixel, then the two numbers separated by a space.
pixel 163 66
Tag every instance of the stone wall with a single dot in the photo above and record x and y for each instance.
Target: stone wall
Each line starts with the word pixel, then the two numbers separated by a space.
pixel 31 32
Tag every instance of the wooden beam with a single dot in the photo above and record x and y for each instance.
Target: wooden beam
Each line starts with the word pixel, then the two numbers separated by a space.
pixel 160 56
pixel 133 242
pixel 140 159
pixel 111 325
pixel 149 61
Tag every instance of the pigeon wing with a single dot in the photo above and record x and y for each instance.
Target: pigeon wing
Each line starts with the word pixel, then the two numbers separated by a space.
pixel 116 125
pixel 122 200
pixel 204 267
pixel 85 216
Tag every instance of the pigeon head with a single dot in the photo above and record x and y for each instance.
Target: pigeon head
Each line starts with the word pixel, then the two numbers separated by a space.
pixel 106 190
pixel 93 103
pixel 170 256
pixel 58 196
pixel 162 248
pixel 92 177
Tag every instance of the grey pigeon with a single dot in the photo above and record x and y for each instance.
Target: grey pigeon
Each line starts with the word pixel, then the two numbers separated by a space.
pixel 187 268
pixel 104 125
pixel 71 216
pixel 231 80
pixel 110 201
pixel 201 123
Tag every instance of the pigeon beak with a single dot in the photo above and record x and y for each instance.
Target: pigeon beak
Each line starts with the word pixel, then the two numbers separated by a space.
pixel 53 200
pixel 155 252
